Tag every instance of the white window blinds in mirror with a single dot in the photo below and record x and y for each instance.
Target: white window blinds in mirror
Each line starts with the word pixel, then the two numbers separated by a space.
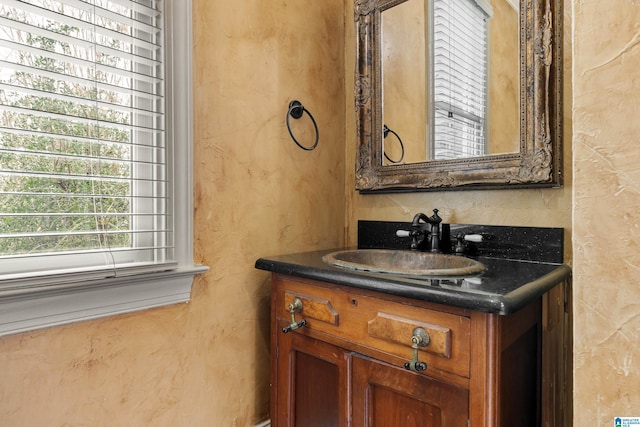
pixel 460 31
pixel 84 172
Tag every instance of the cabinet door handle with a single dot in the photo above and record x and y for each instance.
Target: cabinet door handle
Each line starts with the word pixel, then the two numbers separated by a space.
pixel 294 307
pixel 419 339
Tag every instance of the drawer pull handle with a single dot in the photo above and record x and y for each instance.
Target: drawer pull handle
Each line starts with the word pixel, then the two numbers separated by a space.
pixel 294 307
pixel 419 339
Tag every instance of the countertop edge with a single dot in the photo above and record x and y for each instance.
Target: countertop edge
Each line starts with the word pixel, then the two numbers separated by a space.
pixel 491 303
pixel 518 298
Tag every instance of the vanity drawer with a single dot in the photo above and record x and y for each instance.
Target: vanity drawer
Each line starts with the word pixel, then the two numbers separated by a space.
pixel 374 325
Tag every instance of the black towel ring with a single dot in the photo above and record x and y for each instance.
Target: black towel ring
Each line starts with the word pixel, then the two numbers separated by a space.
pixel 385 132
pixel 296 109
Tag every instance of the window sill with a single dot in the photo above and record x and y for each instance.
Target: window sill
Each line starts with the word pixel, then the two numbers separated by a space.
pixel 94 299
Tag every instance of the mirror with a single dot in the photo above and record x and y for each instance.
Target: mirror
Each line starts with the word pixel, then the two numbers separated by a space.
pixel 419 128
pixel 452 65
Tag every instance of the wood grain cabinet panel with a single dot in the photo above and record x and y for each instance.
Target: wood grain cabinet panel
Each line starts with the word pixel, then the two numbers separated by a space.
pixel 384 395
pixel 314 308
pixel 397 328
pixel 312 383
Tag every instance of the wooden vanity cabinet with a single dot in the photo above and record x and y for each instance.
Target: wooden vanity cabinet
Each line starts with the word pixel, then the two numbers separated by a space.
pixel 345 367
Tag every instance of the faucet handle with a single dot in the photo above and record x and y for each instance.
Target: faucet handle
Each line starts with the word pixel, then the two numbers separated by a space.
pixel 461 239
pixel 417 237
pixel 403 233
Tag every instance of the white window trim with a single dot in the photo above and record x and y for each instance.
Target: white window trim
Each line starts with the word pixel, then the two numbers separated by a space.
pixel 73 301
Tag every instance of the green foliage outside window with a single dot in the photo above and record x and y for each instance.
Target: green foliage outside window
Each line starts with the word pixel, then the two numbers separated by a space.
pixel 65 156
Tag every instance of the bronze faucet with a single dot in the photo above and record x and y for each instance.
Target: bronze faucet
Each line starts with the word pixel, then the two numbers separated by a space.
pixel 430 226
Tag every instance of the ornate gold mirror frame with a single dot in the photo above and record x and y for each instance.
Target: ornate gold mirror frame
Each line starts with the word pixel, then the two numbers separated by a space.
pixel 537 164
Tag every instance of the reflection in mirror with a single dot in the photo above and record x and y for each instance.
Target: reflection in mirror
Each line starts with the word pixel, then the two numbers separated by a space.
pixel 504 78
pixel 471 87
pixel 460 29
pixel 450 75
pixel 405 78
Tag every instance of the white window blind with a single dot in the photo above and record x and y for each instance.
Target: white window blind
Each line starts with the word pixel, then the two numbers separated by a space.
pixel 460 77
pixel 84 164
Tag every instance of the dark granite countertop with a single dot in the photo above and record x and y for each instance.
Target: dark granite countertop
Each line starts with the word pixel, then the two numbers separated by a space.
pixel 504 288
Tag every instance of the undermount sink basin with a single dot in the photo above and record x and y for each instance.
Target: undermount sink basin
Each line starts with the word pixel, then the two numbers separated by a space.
pixel 406 263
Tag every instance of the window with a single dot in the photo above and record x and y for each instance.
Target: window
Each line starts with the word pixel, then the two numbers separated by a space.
pixel 94 123
pixel 460 77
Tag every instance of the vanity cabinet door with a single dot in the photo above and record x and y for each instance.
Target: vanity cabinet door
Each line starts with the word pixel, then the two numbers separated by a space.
pixel 384 395
pixel 311 383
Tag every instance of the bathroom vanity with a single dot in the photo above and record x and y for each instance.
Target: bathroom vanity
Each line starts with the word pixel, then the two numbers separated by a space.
pixel 352 348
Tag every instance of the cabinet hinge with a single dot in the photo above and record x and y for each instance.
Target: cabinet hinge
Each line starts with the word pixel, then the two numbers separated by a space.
pixel 468 422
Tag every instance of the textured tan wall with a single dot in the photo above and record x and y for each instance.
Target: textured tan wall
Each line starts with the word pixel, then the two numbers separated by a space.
pixel 205 363
pixel 606 210
pixel 256 194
